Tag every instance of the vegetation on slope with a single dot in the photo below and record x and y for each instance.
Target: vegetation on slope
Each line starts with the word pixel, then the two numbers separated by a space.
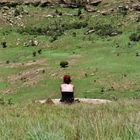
pixel 101 50
pixel 105 122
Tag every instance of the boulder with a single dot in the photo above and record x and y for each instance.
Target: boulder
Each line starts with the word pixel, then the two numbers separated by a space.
pixel 43 3
pixel 107 12
pixel 95 2
pixel 90 8
pixel 136 7
pixel 79 100
pixel 89 32
pixel 9 3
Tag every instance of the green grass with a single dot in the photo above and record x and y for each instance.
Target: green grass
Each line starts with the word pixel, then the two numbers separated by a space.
pixel 100 66
pixel 91 55
pixel 106 122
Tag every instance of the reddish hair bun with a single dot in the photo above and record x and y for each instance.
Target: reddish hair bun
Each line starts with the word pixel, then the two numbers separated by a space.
pixel 67 79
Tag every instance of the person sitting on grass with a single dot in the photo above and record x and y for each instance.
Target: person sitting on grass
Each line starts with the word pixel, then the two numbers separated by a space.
pixel 67 90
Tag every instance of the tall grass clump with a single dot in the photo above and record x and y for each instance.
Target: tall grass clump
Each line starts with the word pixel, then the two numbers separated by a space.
pixel 86 122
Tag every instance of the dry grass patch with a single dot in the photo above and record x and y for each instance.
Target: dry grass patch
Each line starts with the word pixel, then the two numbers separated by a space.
pixel 30 77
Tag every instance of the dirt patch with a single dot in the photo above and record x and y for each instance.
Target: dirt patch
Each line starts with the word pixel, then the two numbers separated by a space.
pixel 42 62
pixel 30 77
pixel 6 91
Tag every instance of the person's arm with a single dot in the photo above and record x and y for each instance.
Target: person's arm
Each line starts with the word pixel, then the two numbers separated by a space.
pixel 73 88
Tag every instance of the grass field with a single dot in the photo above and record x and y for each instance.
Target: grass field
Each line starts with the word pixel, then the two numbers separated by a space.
pixel 102 65
pixel 116 121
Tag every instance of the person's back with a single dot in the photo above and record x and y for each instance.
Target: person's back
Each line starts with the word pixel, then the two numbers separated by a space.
pixel 67 87
pixel 67 90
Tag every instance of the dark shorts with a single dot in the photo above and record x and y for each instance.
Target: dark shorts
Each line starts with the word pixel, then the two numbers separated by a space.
pixel 67 97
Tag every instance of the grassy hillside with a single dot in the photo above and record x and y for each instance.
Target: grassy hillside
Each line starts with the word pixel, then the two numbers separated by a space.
pixel 103 52
pixel 103 58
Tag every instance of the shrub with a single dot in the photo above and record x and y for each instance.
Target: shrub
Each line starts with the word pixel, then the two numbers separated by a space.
pixel 54 30
pixel 64 64
pixel 135 37
pixel 2 101
pixel 10 102
pixel 19 11
pixel 6 102
pixel 75 25
pixel 7 62
pixel 106 30
pixel 32 30
pixel 34 54
pixel 4 44
pixel 53 38
pixel 39 51
pixel 123 10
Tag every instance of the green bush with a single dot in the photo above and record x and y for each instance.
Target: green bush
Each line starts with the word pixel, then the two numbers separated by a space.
pixel 19 11
pixel 4 45
pixel 64 64
pixel 54 30
pixel 106 30
pixel 135 37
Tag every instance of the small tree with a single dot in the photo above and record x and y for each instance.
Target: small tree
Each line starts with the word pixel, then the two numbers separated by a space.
pixel 64 64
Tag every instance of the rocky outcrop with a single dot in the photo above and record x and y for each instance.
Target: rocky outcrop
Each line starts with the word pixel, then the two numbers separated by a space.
pixel 136 7
pixel 95 2
pixel 90 8
pixel 79 100
pixel 9 3
pixel 68 3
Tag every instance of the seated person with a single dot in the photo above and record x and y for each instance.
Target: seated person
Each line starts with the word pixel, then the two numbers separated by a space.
pixel 67 90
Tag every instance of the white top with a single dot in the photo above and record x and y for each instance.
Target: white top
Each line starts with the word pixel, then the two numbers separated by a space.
pixel 67 88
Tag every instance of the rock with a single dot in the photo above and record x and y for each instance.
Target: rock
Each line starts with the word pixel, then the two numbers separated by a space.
pixel 90 32
pixel 107 12
pixel 34 42
pixel 75 4
pixel 44 3
pixel 79 100
pixel 123 7
pixel 95 2
pixel 54 74
pixel 136 7
pixel 9 3
pixel 90 8
pixel 92 74
pixel 114 33
pixel 5 8
pixel 104 13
